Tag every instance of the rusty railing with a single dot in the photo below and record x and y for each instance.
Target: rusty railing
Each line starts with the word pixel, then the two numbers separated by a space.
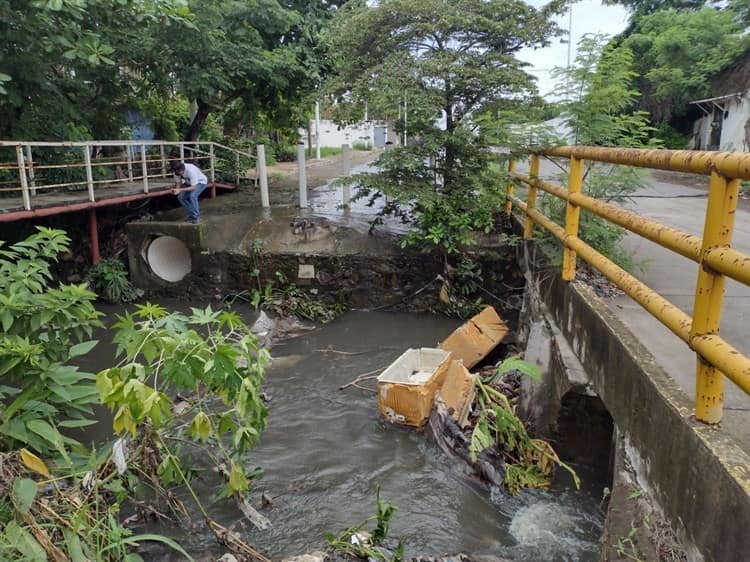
pixel 712 252
pixel 28 169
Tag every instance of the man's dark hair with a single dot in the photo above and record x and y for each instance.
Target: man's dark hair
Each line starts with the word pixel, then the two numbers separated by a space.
pixel 178 167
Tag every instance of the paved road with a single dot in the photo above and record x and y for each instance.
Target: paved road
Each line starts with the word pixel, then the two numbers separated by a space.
pixel 680 200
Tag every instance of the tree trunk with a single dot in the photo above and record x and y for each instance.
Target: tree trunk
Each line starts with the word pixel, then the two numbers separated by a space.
pixel 450 151
pixel 198 121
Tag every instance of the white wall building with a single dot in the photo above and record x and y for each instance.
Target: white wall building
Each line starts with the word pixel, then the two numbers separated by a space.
pixel 370 133
pixel 725 124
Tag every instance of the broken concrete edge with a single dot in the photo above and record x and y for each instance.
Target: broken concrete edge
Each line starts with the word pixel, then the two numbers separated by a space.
pixel 691 470
pixel 635 524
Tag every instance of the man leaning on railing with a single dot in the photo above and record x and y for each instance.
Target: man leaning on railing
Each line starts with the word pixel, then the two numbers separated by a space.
pixel 190 183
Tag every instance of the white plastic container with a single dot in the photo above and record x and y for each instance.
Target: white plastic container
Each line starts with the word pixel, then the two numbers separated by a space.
pixel 406 389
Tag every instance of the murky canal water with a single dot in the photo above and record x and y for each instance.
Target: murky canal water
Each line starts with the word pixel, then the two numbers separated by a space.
pixel 325 450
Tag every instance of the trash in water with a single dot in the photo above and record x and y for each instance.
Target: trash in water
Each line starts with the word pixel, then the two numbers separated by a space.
pixel 474 339
pixel 407 388
pixel 457 392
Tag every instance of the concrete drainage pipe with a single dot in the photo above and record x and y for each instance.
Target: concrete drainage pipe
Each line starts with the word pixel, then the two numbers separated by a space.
pixel 169 258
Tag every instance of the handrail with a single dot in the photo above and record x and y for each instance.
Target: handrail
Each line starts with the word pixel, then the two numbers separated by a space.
pixel 734 165
pixel 712 252
pixel 35 173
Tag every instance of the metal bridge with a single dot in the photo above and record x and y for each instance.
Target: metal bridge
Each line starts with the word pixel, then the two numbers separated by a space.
pixel 39 179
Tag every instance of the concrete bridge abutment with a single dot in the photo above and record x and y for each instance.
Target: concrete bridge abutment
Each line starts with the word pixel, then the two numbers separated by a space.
pixel 672 477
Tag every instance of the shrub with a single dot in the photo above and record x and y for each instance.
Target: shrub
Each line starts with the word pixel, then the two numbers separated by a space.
pixel 109 280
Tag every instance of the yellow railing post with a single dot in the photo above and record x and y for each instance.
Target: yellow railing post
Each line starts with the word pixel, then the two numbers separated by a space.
pixel 709 294
pixel 572 216
pixel 509 189
pixel 528 225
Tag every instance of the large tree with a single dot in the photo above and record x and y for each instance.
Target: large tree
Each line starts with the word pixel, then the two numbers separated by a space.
pixel 63 63
pixel 73 67
pixel 437 57
pixel 677 52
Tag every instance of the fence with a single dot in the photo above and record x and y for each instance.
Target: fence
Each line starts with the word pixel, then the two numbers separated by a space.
pixel 28 169
pixel 712 252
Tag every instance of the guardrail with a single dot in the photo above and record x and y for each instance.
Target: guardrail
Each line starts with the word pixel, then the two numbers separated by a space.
pixel 30 168
pixel 712 252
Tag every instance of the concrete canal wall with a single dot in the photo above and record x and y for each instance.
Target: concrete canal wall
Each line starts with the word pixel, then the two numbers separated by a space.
pixel 694 475
pixel 337 263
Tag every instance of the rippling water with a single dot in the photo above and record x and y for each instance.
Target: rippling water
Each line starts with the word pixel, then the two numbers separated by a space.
pixel 325 450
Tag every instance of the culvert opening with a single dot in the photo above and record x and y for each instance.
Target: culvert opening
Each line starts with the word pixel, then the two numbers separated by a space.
pixel 584 433
pixel 168 258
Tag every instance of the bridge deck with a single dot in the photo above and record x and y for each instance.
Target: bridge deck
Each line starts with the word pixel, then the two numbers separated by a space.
pixel 46 202
pixel 53 203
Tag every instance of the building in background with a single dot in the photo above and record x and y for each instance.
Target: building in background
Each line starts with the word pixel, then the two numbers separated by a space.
pixel 724 119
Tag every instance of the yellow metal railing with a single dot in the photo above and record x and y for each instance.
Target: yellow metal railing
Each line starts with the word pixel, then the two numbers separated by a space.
pixel 712 252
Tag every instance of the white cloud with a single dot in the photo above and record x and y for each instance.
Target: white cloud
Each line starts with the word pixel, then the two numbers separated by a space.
pixel 589 16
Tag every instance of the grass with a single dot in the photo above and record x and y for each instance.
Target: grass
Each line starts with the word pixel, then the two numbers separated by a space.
pixel 336 150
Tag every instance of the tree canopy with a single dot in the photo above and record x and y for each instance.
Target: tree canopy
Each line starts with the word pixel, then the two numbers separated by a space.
pixel 436 59
pixel 60 62
pixel 677 52
pixel 71 68
pixel 455 55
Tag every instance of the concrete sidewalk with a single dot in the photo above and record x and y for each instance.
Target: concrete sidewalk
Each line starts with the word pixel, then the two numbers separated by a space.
pixel 670 201
pixel 679 200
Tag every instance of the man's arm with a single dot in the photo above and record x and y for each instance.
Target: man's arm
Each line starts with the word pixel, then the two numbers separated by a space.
pixel 177 189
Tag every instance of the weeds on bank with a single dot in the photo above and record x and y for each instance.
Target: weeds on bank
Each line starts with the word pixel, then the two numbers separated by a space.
pixel 529 463
pixel 284 298
pixel 368 545
pixel 183 384
pixel 461 287
pixel 626 545
pixel 109 279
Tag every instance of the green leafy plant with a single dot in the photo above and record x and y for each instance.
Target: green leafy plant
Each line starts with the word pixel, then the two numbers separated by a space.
pixel 43 328
pixel 61 499
pixel 515 363
pixel 208 354
pixel 598 95
pixel 368 545
pixel 109 280
pixel 530 463
pixel 460 290
pixel 286 299
pixel 627 547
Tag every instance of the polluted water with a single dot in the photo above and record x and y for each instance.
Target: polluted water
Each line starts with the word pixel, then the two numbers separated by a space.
pixel 325 450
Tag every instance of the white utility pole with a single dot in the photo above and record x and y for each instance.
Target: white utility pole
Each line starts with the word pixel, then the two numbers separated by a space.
pixel 262 175
pixel 317 130
pixel 302 175
pixel 346 165
pixel 404 119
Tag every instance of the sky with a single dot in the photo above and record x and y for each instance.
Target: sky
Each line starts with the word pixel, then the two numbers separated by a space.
pixel 589 16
